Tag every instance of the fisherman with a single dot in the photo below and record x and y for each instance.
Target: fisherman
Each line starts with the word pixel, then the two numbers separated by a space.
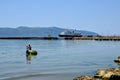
pixel 28 47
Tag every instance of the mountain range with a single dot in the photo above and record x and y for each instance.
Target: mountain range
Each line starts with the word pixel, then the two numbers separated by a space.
pixel 38 31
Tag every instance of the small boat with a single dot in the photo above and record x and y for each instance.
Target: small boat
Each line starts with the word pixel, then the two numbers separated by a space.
pixel 32 52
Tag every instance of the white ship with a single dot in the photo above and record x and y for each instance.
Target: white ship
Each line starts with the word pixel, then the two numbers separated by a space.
pixel 70 33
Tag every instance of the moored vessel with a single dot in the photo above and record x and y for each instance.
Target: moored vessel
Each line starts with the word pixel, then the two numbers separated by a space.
pixel 70 33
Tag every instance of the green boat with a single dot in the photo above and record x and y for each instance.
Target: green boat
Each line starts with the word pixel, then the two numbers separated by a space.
pixel 32 52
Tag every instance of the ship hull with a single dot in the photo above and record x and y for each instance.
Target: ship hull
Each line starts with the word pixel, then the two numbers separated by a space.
pixel 70 35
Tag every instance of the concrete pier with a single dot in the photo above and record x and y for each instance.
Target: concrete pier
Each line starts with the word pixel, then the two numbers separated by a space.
pixel 99 38
pixel 43 38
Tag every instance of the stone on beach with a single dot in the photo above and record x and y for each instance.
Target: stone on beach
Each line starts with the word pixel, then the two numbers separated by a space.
pixel 103 74
pixel 117 59
pixel 84 78
pixel 106 73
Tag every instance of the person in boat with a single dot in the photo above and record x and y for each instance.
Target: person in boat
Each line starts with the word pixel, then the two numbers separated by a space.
pixel 28 47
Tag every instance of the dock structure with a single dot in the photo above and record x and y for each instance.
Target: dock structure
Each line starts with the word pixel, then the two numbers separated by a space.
pixel 108 38
pixel 42 38
pixel 98 38
pixel 84 38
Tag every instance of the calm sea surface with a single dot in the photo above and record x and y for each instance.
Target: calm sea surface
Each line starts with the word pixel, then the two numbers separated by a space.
pixel 56 59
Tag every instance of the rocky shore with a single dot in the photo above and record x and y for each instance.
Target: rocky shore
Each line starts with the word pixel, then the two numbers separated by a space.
pixel 104 74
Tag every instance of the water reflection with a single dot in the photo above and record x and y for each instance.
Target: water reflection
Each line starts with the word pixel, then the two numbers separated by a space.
pixel 29 57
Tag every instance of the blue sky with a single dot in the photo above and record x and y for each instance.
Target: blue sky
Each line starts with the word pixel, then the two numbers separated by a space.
pixel 101 16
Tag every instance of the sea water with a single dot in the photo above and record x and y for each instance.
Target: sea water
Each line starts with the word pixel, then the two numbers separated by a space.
pixel 56 59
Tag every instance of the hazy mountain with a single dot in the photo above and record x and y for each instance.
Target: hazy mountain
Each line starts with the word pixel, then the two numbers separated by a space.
pixel 36 31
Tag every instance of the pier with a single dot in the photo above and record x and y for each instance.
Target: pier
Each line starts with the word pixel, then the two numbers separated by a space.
pixel 98 38
pixel 42 38
pixel 108 38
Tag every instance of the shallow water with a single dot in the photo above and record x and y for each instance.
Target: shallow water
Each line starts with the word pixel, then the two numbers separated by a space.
pixel 56 59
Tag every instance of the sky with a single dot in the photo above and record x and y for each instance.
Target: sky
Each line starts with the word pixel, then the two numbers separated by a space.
pixel 101 16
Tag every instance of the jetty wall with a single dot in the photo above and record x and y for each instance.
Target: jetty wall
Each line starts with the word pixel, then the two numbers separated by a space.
pixel 43 38
pixel 97 38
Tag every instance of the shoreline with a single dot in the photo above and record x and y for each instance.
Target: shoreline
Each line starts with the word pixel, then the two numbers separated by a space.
pixel 104 74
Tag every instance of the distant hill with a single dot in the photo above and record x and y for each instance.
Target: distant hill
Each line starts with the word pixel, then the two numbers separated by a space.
pixel 37 31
